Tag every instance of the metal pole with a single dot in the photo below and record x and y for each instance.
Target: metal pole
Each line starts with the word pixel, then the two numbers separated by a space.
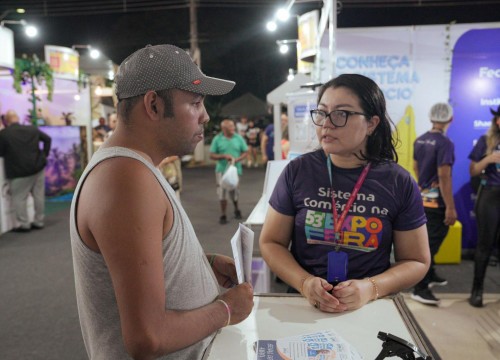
pixel 193 32
pixel 199 151
pixel 332 31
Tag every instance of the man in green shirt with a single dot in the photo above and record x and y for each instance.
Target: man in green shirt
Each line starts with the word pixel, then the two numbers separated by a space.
pixel 228 147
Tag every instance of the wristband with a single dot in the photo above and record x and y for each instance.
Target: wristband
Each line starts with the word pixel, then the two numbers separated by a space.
pixel 212 259
pixel 375 287
pixel 228 311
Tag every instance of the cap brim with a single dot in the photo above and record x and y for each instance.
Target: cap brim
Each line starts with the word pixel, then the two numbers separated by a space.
pixel 209 86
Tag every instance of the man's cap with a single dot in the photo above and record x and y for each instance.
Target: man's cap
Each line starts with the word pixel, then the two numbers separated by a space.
pixel 162 67
pixel 441 112
pixel 495 113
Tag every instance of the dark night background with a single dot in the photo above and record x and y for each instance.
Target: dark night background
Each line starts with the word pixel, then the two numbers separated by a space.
pixel 232 36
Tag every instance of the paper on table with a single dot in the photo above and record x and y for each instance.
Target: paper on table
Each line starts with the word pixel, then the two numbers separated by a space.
pixel 321 345
pixel 242 246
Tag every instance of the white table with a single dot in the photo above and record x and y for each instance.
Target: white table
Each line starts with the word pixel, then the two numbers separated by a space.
pixel 280 315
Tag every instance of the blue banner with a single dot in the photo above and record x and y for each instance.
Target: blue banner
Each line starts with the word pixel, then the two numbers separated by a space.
pixel 474 89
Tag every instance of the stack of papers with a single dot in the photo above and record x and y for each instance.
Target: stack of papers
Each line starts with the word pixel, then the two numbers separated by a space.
pixel 242 246
pixel 323 345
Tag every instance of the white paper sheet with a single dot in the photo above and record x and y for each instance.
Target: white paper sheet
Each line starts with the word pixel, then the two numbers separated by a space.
pixel 242 246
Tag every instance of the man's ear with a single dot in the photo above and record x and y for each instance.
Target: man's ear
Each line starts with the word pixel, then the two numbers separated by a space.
pixel 151 103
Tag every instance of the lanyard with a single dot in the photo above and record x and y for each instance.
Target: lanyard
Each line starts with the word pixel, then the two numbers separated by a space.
pixel 339 220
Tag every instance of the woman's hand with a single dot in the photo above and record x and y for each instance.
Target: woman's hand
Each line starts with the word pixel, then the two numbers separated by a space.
pixel 354 294
pixel 225 271
pixel 317 291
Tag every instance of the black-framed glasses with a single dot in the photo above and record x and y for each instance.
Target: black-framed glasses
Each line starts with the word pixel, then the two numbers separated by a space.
pixel 338 118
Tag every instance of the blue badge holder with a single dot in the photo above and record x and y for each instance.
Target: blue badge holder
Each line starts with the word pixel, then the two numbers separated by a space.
pixel 337 267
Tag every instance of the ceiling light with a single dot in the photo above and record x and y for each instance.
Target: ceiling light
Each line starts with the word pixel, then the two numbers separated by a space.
pixel 271 26
pixel 282 14
pixel 94 53
pixel 31 31
pixel 284 48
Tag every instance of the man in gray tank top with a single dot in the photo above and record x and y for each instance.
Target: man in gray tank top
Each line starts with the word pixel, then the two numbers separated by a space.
pixel 144 287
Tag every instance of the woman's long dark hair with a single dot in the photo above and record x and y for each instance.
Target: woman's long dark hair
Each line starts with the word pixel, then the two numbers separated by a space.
pixel 381 145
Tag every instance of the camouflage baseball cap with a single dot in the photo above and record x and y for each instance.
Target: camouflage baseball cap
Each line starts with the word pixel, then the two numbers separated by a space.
pixel 163 67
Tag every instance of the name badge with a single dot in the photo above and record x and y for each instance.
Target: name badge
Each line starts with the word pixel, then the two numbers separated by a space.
pixel 337 267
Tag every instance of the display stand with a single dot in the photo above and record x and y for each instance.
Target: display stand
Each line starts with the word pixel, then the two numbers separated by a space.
pixel 280 315
pixel 256 218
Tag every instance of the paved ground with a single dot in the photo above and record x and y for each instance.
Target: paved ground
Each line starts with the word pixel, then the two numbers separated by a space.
pixel 38 317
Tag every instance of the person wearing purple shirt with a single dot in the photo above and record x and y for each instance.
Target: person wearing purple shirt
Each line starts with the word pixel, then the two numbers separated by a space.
pixel 434 155
pixel 341 209
pixel 485 158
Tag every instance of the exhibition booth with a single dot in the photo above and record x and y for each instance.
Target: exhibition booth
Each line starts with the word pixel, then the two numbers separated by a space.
pixel 415 66
pixel 63 111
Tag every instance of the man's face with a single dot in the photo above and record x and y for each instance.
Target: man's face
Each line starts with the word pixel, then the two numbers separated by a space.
pixel 182 132
pixel 228 129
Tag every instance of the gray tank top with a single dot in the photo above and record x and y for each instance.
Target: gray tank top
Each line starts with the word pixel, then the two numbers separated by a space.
pixel 189 280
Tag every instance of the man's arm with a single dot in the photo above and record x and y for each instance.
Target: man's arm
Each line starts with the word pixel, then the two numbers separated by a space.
pixel 47 141
pixel 446 189
pixel 127 228
pixel 215 156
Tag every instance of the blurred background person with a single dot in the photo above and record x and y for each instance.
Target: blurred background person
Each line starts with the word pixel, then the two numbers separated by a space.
pixel 253 141
pixel 267 141
pixel 24 168
pixel 433 158
pixel 242 126
pixel 171 170
pixel 227 148
pixel 101 130
pixel 285 143
pixel 485 159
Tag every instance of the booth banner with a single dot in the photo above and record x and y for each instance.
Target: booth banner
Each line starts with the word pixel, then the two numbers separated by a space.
pixel 7 214
pixel 415 66
pixel 63 61
pixel 301 131
pixel 308 33
pixel 7 60
pixel 64 163
pixel 475 89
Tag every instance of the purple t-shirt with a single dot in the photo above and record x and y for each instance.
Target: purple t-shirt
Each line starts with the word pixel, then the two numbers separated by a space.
pixel 491 172
pixel 388 200
pixel 432 150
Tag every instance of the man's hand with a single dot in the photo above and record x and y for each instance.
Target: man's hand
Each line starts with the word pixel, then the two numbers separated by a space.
pixel 450 216
pixel 240 301
pixel 225 271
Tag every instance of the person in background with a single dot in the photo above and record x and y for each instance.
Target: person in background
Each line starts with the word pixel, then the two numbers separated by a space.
pixel 285 144
pixel 101 130
pixel 330 236
pixel 485 159
pixel 433 158
pixel 253 141
pixel 228 148
pixel 144 287
pixel 242 126
pixel 171 172
pixel 112 121
pixel 267 141
pixel 24 169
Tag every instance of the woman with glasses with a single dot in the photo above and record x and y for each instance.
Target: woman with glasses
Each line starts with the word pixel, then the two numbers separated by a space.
pixel 337 212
